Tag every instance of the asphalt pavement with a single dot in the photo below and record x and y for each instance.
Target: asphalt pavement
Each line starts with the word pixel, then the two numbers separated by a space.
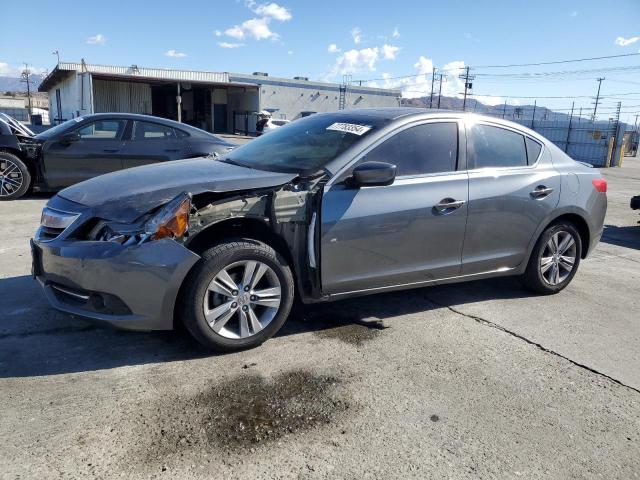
pixel 475 380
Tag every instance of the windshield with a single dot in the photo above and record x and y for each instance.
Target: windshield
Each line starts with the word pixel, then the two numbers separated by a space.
pixel 51 132
pixel 305 145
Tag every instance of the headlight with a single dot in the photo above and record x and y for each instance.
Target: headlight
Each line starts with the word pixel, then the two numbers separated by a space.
pixel 171 220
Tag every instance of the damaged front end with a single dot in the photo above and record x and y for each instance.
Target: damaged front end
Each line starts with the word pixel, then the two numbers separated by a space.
pixel 288 212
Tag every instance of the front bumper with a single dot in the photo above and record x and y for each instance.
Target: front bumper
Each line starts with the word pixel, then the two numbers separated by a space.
pixel 133 288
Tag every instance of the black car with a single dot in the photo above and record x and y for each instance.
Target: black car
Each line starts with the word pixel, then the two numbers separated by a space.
pixel 84 147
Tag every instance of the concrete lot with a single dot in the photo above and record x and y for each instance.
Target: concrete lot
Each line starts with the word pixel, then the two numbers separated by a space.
pixel 478 380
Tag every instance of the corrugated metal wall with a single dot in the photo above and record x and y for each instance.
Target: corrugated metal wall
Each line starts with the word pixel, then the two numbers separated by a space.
pixel 129 97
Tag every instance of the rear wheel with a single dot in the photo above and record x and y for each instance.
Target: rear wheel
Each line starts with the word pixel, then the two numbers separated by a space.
pixel 238 296
pixel 554 260
pixel 15 178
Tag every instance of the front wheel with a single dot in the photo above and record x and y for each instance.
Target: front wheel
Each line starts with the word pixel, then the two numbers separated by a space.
pixel 15 178
pixel 554 260
pixel 238 296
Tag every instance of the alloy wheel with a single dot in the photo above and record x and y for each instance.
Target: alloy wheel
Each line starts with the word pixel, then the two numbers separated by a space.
pixel 11 178
pixel 242 299
pixel 558 258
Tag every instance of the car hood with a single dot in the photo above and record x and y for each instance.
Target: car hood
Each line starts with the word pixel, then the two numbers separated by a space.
pixel 125 195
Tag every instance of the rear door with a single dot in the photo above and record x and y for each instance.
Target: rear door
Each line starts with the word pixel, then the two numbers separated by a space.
pixel 151 143
pixel 381 236
pixel 511 191
pixel 97 149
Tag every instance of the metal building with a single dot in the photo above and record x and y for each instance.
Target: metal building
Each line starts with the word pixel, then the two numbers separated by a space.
pixel 214 101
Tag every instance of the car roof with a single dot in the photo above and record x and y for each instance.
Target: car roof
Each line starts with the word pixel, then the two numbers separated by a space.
pixel 392 114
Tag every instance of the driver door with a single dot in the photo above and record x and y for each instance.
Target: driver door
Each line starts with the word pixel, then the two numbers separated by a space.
pixel 96 149
pixel 376 237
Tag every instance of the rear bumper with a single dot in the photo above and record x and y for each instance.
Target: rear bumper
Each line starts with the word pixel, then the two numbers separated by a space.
pixel 133 288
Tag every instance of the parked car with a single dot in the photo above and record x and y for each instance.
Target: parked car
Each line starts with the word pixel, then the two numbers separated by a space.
pixel 635 203
pixel 331 206
pixel 85 147
pixel 274 123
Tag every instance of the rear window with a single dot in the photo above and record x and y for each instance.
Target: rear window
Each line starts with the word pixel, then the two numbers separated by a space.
pixel 495 147
pixel 533 150
pixel 149 131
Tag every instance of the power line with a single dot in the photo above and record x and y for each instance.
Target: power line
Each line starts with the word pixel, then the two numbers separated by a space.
pixel 559 61
pixel 519 65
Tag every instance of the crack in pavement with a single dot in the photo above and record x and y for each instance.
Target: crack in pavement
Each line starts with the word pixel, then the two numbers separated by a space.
pixel 489 323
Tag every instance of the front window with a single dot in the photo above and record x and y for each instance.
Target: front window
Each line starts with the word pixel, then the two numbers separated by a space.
pixel 102 130
pixel 53 131
pixel 306 145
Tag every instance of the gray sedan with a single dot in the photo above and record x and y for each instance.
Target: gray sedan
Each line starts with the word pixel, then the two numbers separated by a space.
pixel 330 206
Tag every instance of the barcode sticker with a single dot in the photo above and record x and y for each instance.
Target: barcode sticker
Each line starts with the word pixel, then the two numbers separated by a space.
pixel 349 128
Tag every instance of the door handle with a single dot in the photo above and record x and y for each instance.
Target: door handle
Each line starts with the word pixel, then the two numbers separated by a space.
pixel 111 150
pixel 541 191
pixel 171 149
pixel 449 204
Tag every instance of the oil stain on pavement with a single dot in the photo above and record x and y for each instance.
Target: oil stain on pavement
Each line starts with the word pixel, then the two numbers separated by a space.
pixel 352 331
pixel 242 412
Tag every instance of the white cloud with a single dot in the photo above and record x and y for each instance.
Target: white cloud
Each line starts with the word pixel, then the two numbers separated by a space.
pixel 333 48
pixel 271 10
pixel 396 33
pixel 234 32
pixel 258 27
pixel 290 52
pixel 354 60
pixel 356 34
pixel 623 42
pixel 389 52
pixel 573 14
pixel 419 85
pixel 230 45
pixel 175 54
pixel 98 39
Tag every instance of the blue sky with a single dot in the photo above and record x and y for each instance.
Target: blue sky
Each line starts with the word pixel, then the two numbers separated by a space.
pixel 367 39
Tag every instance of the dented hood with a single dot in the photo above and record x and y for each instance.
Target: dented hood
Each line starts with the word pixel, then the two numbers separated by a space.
pixel 125 195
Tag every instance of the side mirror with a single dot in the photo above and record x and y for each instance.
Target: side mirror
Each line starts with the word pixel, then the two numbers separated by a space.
pixel 369 174
pixel 69 138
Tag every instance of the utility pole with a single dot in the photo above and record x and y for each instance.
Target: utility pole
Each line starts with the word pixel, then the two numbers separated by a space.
pixel 566 144
pixel 635 125
pixel 26 73
pixel 595 109
pixel 467 86
pixel 440 88
pixel 533 117
pixel 433 76
pixel 504 109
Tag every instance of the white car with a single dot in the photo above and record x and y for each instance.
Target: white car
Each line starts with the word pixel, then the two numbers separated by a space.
pixel 274 123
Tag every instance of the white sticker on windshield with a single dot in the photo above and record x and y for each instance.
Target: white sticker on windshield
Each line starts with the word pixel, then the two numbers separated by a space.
pixel 349 128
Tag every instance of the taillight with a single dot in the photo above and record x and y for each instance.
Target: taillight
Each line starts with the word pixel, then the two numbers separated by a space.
pixel 600 184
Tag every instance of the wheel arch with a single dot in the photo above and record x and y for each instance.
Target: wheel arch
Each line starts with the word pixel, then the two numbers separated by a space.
pixel 574 216
pixel 237 227
pixel 31 166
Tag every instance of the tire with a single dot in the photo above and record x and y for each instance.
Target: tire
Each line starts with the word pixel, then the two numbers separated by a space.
pixel 542 278
pixel 13 170
pixel 208 289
